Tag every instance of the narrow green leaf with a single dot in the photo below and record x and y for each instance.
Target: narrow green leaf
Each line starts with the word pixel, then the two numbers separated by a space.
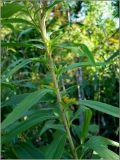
pixel 49 125
pixel 26 104
pixel 39 46
pixel 56 148
pixel 23 32
pixel 113 56
pixel 15 100
pixel 81 64
pixel 23 44
pixel 35 118
pixel 9 72
pixel 15 44
pixel 27 151
pixel 15 20
pixel 100 145
pixel 71 46
pixel 88 53
pixel 106 153
pixel 75 65
pixel 9 9
pixel 80 49
pixel 102 107
pixel 16 66
pixel 86 122
pixel 8 25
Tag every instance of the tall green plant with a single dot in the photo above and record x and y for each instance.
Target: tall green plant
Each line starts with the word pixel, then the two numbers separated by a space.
pixel 60 117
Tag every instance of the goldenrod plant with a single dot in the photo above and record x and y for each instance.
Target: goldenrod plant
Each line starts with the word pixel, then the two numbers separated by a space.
pixel 47 112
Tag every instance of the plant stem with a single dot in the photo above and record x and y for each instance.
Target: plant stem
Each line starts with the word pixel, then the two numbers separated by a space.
pixel 54 77
pixel 51 63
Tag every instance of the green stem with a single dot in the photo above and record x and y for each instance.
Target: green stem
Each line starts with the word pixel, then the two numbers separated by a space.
pixel 54 77
pixel 51 63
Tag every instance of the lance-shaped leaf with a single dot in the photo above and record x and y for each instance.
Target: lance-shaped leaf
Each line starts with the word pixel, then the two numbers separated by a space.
pixel 56 148
pixel 80 49
pixel 102 107
pixel 100 145
pixel 10 9
pixel 82 64
pixel 50 124
pixel 15 100
pixel 27 151
pixel 18 65
pixel 38 116
pixel 88 53
pixel 75 65
pixel 15 20
pixel 24 32
pixel 113 56
pixel 71 46
pixel 86 121
pixel 23 106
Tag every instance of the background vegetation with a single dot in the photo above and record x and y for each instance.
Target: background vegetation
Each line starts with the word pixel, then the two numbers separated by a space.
pixel 84 44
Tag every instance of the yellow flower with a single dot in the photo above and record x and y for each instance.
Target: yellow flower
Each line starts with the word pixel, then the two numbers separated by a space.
pixel 72 100
pixel 66 99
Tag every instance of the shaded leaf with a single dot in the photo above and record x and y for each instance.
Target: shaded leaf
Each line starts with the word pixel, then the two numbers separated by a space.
pixel 18 65
pixel 51 125
pixel 15 44
pixel 86 122
pixel 56 148
pixel 26 31
pixel 15 100
pixel 35 118
pixel 27 151
pixel 23 106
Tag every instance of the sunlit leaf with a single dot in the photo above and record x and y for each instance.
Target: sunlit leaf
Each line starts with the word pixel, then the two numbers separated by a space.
pixel 15 20
pixel 88 53
pixel 102 107
pixel 100 145
pixel 9 9
pixel 113 56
